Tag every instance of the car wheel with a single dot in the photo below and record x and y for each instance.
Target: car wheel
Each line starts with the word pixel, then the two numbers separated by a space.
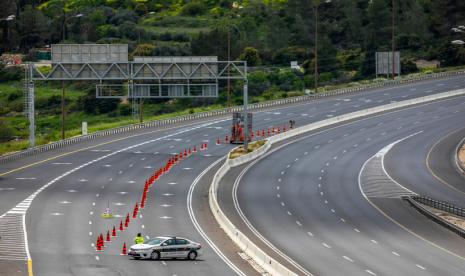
pixel 192 255
pixel 155 255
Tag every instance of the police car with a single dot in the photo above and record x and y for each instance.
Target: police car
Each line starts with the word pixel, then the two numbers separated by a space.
pixel 166 247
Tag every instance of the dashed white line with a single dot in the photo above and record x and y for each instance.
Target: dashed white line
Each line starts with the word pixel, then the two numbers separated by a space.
pixel 310 234
pixel 348 259
pixel 373 241
pixel 421 267
pixel 326 245
pixel 370 272
pixel 289 213
pixel 298 223
pixel 395 253
pixel 356 230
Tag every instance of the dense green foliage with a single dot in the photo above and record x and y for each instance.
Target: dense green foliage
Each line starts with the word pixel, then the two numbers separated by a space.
pixel 268 34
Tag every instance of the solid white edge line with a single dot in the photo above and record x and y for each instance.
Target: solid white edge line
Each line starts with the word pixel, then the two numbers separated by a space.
pixel 197 225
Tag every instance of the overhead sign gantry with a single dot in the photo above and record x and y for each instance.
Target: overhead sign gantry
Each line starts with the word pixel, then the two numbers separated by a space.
pixel 145 77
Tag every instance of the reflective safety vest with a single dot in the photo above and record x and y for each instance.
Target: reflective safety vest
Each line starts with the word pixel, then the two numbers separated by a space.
pixel 138 240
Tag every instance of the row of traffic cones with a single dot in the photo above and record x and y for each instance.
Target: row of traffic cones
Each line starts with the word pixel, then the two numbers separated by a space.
pixel 258 133
pixel 149 182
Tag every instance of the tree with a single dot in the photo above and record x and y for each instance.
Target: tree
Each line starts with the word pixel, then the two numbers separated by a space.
pixel 250 55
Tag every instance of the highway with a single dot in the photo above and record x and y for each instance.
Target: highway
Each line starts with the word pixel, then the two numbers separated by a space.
pixel 63 219
pixel 310 206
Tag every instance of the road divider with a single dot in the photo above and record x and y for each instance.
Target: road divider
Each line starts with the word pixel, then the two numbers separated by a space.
pixel 259 256
pixel 222 112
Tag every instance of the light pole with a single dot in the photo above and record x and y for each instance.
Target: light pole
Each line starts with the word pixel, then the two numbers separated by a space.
pixel 393 41
pixel 6 36
pixel 316 5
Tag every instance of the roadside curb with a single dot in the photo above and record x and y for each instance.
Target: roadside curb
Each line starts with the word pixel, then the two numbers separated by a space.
pixel 458 161
pixel 221 112
pixel 251 249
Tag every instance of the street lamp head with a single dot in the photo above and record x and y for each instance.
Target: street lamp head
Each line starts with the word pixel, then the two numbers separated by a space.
pixel 458 42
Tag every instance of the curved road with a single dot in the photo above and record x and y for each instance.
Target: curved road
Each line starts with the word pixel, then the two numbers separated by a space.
pixel 63 221
pixel 311 208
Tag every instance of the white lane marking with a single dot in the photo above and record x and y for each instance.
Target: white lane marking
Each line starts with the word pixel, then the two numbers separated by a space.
pixel 119 203
pixel 297 159
pixel 97 150
pixel 164 263
pixel 282 172
pixel 317 147
pixel 122 193
pixel 310 234
pixel 282 204
pixel 131 181
pixel 298 223
pixel 187 169
pixel 279 179
pixel 395 253
pixel 348 259
pixel 305 153
pixel 332 210
pixel 172 183
pixel 343 220
pixel 288 166
pixel 120 172
pixel 370 272
pixel 90 222
pixel 97 195
pixel 277 188
pixel 97 258
pixel 289 213
pixel 168 194
pixel 143 158
pixel 327 164
pixel 356 230
pixel 322 171
pixel 165 217
pixel 83 180
pixel 142 226
pixel 278 195
pixel 147 237
pixel 64 202
pixel 321 193
pixel 7 189
pixel 326 202
pixel 91 213
pixel 61 163
pixel 165 205
pixel 326 245
pixel 71 191
pixel 56 214
pixel 25 178
pixel 421 267
pixel 131 165
pixel 319 185
pixel 148 167
pixel 90 233
pixel 373 241
pixel 27 202
pixel 197 225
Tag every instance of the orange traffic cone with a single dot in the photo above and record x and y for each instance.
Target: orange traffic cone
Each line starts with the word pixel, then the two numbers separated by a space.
pixel 121 225
pixel 113 233
pixel 126 223
pixel 108 235
pixel 98 245
pixel 123 252
pixel 195 149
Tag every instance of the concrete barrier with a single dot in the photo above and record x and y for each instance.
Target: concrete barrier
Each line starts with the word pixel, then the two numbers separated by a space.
pixel 458 161
pixel 245 244
pixel 225 111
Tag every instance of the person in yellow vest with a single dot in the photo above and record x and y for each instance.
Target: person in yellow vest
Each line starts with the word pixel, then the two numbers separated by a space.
pixel 139 239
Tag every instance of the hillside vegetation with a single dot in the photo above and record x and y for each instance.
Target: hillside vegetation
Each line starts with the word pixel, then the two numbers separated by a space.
pixel 268 34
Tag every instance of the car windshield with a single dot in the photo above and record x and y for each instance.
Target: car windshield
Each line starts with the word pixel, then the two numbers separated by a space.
pixel 154 241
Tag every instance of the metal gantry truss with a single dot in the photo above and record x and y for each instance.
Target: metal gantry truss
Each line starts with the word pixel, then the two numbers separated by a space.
pixel 145 77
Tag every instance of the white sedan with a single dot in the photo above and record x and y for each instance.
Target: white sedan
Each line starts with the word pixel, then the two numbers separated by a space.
pixel 166 247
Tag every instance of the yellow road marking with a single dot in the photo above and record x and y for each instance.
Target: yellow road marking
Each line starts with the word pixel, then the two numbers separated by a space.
pixel 29 268
pixel 101 144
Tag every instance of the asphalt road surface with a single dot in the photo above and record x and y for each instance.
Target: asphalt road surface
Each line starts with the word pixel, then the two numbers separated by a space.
pixel 63 220
pixel 311 208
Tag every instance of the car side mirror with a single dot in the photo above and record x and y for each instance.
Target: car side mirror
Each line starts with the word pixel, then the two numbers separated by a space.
pixel 163 244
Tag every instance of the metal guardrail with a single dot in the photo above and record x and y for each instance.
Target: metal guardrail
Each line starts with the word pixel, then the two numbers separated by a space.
pixel 221 112
pixel 443 206
pixel 417 201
